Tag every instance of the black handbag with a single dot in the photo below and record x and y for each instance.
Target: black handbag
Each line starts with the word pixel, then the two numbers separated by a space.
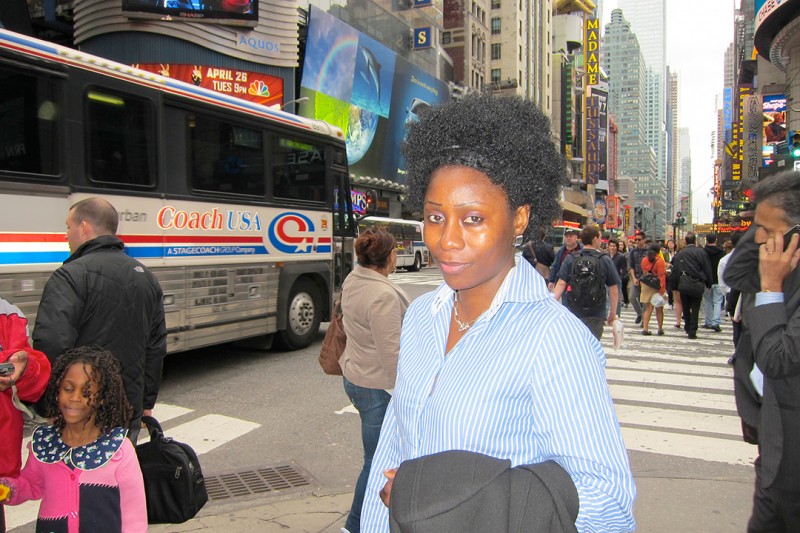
pixel 690 285
pixel 174 486
pixel 650 279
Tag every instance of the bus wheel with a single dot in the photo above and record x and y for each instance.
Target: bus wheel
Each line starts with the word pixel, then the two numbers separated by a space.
pixel 302 316
pixel 417 263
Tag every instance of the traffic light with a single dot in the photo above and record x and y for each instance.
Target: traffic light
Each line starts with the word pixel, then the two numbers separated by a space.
pixel 637 218
pixel 794 145
pixel 372 200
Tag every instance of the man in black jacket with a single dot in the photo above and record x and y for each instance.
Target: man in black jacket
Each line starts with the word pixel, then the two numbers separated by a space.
pixel 101 296
pixel 694 262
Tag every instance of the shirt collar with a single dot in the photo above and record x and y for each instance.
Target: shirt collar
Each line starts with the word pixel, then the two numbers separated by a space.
pixel 48 447
pixel 522 284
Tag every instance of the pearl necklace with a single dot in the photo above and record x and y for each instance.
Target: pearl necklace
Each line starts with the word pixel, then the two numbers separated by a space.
pixel 462 326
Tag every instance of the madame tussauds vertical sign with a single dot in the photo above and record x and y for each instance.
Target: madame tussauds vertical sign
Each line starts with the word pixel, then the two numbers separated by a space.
pixel 591 47
pixel 592 165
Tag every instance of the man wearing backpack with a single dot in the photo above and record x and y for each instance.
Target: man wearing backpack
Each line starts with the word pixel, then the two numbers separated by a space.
pixel 591 282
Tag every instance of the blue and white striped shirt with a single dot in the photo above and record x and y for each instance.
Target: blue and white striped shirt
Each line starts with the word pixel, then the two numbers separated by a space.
pixel 526 383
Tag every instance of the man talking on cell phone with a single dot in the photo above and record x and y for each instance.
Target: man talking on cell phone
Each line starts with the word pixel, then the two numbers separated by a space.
pixel 767 368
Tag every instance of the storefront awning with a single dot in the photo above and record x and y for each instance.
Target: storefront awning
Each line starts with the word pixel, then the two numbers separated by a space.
pixel 574 208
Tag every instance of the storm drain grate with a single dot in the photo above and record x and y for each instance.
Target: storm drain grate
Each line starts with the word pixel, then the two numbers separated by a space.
pixel 260 480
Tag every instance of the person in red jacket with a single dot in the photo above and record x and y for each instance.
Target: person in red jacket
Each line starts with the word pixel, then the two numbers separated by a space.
pixel 27 382
pixel 652 263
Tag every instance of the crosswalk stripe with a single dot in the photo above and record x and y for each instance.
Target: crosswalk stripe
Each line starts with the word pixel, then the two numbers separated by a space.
pixel 680 420
pixel 646 365
pixel 669 398
pixel 698 382
pixel 210 431
pixel 694 446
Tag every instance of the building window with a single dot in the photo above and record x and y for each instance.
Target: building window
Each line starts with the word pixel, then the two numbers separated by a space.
pixel 496 50
pixel 496 26
pixel 495 75
pixel 446 37
pixel 495 4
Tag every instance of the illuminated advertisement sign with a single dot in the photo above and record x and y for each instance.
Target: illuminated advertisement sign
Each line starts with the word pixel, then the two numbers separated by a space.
pixel 361 86
pixel 765 8
pixel 727 113
pixel 736 147
pixel 626 224
pixel 592 166
pixel 218 11
pixel 592 51
pixel 602 160
pixel 252 86
pixel 600 211
pixel 753 124
pixel 612 212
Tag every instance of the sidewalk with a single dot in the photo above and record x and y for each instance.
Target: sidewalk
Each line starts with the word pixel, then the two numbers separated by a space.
pixel 716 504
pixel 310 511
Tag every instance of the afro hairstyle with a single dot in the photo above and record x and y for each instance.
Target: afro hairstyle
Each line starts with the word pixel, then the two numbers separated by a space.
pixel 505 137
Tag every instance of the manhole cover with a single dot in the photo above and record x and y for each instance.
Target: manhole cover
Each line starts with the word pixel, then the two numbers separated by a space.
pixel 255 481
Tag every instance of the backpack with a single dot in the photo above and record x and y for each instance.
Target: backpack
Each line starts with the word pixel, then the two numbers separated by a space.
pixel 173 481
pixel 586 294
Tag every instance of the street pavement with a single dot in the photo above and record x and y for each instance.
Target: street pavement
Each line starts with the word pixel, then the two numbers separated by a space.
pixel 674 401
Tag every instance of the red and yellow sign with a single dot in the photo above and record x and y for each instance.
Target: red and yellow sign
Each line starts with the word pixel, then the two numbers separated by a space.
pixel 612 211
pixel 252 86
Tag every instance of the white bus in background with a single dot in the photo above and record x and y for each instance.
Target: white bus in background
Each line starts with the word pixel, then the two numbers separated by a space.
pixel 412 254
pixel 242 212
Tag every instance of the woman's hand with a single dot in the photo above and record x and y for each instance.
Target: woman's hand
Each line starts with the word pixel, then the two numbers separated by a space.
pixel 386 491
pixel 775 265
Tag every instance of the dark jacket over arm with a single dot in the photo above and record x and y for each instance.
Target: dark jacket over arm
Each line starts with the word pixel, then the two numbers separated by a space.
pixel 462 492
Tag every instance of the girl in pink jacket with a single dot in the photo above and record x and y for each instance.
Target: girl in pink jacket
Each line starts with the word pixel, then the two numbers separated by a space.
pixel 82 467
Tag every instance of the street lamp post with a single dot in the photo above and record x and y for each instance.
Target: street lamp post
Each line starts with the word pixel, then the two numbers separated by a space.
pixel 300 100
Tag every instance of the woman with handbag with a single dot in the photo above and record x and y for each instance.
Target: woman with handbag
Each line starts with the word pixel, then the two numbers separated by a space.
pixel 654 288
pixel 373 308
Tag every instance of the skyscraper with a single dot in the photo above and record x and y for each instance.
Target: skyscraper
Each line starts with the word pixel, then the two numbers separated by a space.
pixel 624 63
pixel 648 19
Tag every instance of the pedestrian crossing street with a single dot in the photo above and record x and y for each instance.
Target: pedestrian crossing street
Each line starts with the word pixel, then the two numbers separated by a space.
pixel 203 434
pixel 674 396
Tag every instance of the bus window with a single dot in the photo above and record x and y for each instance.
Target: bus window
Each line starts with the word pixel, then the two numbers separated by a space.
pixel 120 139
pixel 29 140
pixel 224 157
pixel 298 170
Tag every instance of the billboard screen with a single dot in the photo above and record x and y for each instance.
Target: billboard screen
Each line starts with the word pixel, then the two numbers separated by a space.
pixel 252 86
pixel 358 84
pixel 218 11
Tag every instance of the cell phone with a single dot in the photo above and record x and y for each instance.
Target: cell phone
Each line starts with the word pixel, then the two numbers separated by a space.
pixel 788 235
pixel 6 369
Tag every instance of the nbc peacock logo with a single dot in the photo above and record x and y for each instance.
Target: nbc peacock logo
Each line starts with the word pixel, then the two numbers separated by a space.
pixel 258 88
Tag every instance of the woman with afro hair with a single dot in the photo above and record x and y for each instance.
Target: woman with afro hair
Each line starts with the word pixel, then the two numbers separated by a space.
pixel 83 467
pixel 490 362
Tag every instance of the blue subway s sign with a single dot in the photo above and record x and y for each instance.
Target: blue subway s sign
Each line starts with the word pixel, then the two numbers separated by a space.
pixel 422 37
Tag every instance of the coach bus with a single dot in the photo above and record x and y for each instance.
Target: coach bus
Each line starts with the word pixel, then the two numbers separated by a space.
pixel 412 254
pixel 244 213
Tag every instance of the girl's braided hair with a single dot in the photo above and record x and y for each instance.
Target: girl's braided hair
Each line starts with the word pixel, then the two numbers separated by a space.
pixel 110 404
pixel 505 137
